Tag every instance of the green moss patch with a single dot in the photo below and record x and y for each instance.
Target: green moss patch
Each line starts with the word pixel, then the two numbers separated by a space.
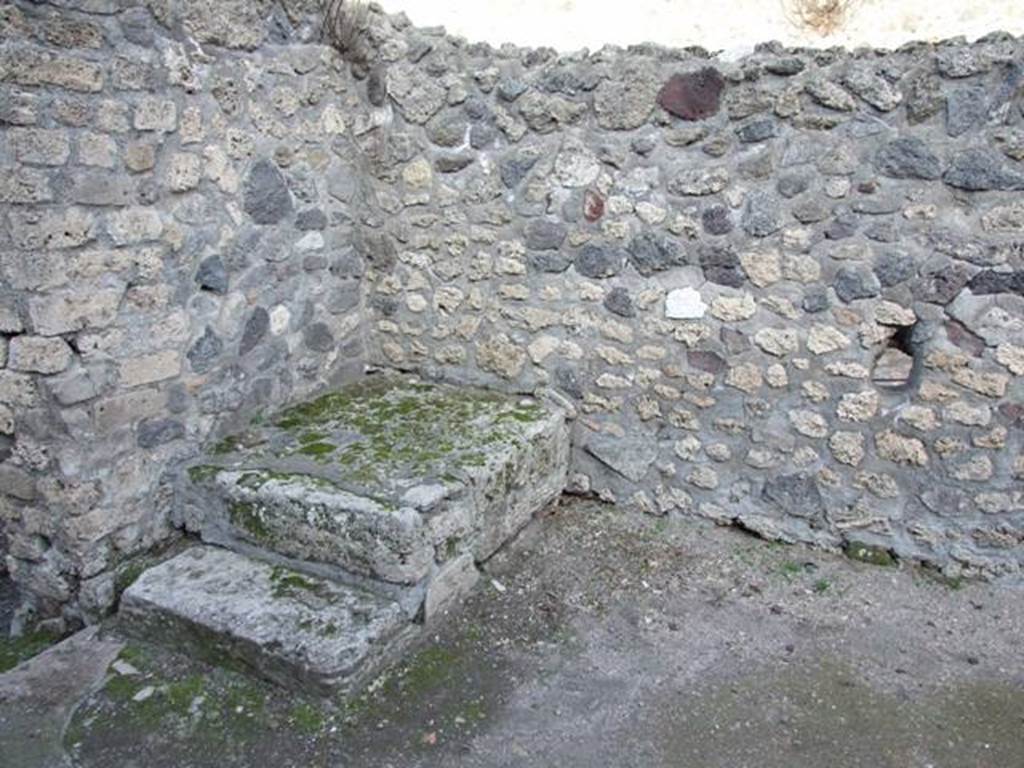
pixel 128 571
pixel 317 449
pixel 246 516
pixel 203 473
pixel 255 479
pixel 431 678
pixel 428 669
pixel 383 428
pixel 176 710
pixel 868 553
pixel 392 426
pixel 229 444
pixel 790 569
pixel 934 575
pixel 307 718
pixel 14 650
pixel 288 583
pixel 122 687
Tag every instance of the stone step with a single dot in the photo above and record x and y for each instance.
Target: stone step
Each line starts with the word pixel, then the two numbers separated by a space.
pixel 293 629
pixel 391 479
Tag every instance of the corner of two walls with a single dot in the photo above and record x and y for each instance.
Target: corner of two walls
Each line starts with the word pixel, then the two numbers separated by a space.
pixel 180 197
pixel 207 215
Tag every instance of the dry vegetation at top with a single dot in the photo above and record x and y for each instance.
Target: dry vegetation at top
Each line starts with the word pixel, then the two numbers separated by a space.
pixel 821 16
pixel 343 24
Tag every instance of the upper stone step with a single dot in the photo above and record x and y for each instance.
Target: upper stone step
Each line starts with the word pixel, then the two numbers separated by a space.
pixel 392 479
pixel 290 628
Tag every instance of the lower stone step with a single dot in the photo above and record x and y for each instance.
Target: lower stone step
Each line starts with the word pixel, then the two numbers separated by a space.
pixel 291 628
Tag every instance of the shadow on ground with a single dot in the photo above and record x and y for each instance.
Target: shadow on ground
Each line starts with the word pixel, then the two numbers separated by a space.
pixel 601 638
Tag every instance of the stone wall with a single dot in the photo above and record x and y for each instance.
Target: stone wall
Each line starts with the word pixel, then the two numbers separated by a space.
pixel 175 258
pixel 786 291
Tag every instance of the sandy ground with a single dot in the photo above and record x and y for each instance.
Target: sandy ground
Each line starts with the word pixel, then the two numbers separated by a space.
pixel 599 638
pixel 733 26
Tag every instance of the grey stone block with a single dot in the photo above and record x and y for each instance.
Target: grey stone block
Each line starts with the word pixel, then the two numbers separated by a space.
pixel 296 630
pixel 213 275
pixel 908 158
pixel 256 328
pixel 544 235
pixel 979 169
pixel 206 349
pixel 618 302
pixel 965 108
pixel 267 199
pixel 651 252
pixel 153 433
pixel 598 261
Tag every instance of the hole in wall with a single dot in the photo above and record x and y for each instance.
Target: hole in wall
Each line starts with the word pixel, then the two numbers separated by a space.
pixel 896 364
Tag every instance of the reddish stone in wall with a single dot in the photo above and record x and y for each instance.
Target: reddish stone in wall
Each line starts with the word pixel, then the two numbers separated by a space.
pixel 593 205
pixel 964 339
pixel 693 96
pixel 1013 413
pixel 702 360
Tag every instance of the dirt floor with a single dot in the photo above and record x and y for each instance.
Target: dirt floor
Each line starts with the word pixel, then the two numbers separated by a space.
pixel 598 638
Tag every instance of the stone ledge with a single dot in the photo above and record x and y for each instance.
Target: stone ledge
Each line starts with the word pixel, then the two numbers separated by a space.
pixel 388 479
pixel 293 629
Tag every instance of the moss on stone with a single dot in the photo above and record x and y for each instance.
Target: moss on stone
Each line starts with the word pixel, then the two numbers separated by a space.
pixel 524 414
pixel 286 583
pixel 247 517
pixel 123 687
pixel 256 478
pixel 14 650
pixel 317 449
pixel 127 573
pixel 934 574
pixel 203 473
pixel 252 480
pixel 869 553
pixel 181 693
pixel 133 654
pixel 475 459
pixel 229 444
pixel 404 427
